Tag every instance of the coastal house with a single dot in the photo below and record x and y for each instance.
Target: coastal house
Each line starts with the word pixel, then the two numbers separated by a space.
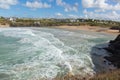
pixel 37 23
pixel 74 20
pixel 61 20
pixel 13 19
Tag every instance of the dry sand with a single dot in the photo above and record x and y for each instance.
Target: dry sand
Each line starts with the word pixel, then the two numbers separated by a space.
pixel 84 28
pixel 90 28
pixel 4 26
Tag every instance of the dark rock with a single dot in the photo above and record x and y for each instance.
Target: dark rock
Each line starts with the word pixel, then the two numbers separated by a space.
pixel 117 39
pixel 114 49
pixel 115 28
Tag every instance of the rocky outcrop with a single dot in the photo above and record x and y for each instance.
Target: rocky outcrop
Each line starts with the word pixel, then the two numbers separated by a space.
pixel 114 49
pixel 115 28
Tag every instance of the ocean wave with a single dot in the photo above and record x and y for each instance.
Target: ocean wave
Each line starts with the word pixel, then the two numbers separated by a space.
pixel 44 54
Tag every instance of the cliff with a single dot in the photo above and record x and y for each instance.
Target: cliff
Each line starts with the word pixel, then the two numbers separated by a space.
pixel 114 49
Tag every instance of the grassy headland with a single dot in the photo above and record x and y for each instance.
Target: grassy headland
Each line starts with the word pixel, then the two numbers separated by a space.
pixel 27 22
pixel 77 24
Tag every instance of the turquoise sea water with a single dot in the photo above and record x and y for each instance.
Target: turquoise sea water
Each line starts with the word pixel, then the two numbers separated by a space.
pixel 43 53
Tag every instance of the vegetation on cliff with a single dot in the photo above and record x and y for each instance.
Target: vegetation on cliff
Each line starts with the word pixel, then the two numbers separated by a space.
pixel 31 22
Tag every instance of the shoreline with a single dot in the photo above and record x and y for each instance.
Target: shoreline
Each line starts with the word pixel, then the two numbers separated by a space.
pixel 83 28
pixel 90 28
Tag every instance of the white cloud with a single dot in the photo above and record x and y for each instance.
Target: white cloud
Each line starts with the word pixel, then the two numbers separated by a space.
pixel 36 5
pixel 59 14
pixel 100 4
pixel 102 9
pixel 113 15
pixel 87 3
pixel 72 16
pixel 5 4
pixel 99 10
pixel 85 11
pixel 67 7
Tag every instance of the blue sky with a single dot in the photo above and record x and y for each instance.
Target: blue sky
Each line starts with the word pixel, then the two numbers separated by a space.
pixel 100 9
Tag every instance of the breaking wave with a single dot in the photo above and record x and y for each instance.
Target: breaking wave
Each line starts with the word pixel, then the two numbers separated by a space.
pixel 27 54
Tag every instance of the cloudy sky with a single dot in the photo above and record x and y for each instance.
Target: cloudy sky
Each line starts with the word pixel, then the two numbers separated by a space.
pixel 100 9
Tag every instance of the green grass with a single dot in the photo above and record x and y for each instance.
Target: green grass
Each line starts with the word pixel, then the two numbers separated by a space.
pixel 59 22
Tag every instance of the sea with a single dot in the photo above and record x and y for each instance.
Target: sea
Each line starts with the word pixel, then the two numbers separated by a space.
pixel 46 53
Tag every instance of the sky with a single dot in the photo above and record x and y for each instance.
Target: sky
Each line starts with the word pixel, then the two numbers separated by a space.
pixel 95 9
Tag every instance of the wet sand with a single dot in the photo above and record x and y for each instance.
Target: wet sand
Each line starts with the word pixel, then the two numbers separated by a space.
pixel 84 28
pixel 90 28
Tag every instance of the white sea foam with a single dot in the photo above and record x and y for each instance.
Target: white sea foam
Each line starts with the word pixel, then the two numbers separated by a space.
pixel 17 32
pixel 25 40
pixel 45 54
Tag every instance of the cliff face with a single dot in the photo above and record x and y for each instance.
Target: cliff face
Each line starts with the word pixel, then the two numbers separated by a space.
pixel 114 49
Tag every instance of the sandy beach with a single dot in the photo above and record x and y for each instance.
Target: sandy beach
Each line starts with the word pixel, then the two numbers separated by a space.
pixel 4 26
pixel 90 28
pixel 84 28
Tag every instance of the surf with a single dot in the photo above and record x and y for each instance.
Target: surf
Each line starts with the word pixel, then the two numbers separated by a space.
pixel 45 53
